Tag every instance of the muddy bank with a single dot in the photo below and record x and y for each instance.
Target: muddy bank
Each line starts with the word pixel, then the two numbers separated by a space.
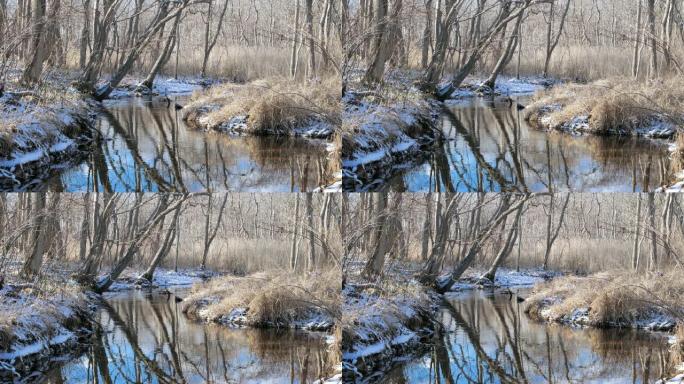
pixel 38 328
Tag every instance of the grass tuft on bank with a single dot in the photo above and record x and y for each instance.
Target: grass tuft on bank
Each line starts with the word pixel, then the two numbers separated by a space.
pixel 611 299
pixel 275 106
pixel 268 299
pixel 616 106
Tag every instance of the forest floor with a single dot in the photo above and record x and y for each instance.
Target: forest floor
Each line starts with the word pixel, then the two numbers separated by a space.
pixel 393 127
pixel 40 322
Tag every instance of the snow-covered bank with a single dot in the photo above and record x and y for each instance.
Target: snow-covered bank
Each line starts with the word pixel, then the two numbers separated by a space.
pixel 679 379
pixel 39 136
pixel 267 300
pixel 384 133
pixel 383 325
pixel 36 327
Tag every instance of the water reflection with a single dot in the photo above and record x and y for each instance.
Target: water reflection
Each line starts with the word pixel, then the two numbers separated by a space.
pixel 149 148
pixel 489 340
pixel 490 148
pixel 147 339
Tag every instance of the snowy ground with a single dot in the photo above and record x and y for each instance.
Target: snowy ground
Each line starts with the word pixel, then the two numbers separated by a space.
pixel 656 128
pixel 652 321
pixel 505 86
pixel 162 278
pixel 162 86
pixel 315 321
pixel 504 278
pixel 679 379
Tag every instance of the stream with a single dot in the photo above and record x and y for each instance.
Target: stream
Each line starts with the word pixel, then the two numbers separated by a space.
pixel 148 148
pixel 488 339
pixel 490 148
pixel 145 338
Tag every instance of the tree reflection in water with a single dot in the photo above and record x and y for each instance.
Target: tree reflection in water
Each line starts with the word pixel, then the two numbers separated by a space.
pixel 490 148
pixel 149 148
pixel 146 339
pixel 489 340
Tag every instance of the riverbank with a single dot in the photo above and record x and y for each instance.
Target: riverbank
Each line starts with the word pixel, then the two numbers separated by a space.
pixel 267 300
pixel 611 299
pixel 395 126
pixel 274 107
pixel 40 324
pixel 161 279
pixel 652 302
pixel 618 106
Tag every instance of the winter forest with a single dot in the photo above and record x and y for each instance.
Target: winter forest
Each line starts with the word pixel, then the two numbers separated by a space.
pixel 341 191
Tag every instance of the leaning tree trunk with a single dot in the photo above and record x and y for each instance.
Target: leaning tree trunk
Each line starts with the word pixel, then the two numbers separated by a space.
pixel 164 249
pixel 40 36
pixel 506 55
pixel 312 238
pixel 164 56
pixel 310 39
pixel 384 41
pixel 507 247
pixel 652 39
pixel 40 240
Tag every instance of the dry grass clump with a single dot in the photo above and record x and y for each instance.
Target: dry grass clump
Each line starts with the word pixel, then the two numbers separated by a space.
pixel 610 298
pixel 617 105
pixel 266 298
pixel 274 106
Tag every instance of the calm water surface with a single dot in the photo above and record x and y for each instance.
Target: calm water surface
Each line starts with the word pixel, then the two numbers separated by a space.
pixel 490 148
pixel 145 338
pixel 149 148
pixel 490 340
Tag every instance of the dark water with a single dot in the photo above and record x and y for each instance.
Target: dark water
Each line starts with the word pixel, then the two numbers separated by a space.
pixel 149 148
pixel 491 148
pixel 490 340
pixel 147 339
